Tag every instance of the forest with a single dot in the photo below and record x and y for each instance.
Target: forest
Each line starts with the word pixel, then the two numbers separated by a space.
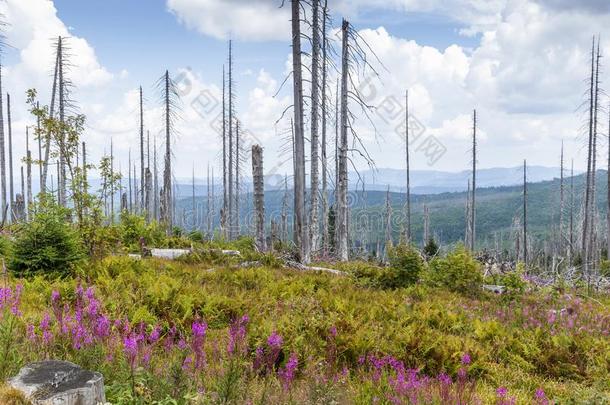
pixel 314 290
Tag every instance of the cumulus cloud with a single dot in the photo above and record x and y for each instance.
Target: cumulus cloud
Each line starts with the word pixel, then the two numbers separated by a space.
pixel 245 20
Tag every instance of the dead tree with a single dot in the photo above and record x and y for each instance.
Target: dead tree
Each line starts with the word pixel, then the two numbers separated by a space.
pixel 10 158
pixel 129 182
pixel 388 223
pixel 408 204
pixel 259 196
pixel 2 154
pixel 112 188
pixel 561 203
pixel 170 105
pixel 237 173
pixel 225 205
pixel 284 214
pixel 142 174
pixel 426 236
pixel 323 143
pixel 156 195
pixel 231 214
pixel 473 211
pixel 315 105
pixel 28 162
pixel 63 96
pixel 467 231
pixel 301 237
pixel 588 185
pixel 572 213
pixel 208 206
pixel 352 56
pixel 525 214
pixel 608 197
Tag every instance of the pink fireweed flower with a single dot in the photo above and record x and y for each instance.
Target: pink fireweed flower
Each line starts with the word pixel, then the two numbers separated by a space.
pixel 198 330
pixel 287 373
pixel 17 300
pixel 501 392
pixel 130 347
pixel 466 359
pixel 541 398
pixel 274 340
pixel 333 331
pixel 237 335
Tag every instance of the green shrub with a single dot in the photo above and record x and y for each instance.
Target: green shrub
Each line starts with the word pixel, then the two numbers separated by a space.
pixel 406 264
pixel 47 244
pixel 458 272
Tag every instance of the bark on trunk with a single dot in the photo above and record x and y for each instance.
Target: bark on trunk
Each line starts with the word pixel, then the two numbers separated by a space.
pixel 259 196
pixel 315 101
pixel 300 227
pixel 342 208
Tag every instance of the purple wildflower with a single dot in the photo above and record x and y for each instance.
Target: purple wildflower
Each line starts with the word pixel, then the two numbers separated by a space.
pixel 130 347
pixel 287 373
pixel 466 359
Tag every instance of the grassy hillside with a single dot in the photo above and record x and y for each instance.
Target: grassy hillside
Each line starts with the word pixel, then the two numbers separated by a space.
pixel 205 330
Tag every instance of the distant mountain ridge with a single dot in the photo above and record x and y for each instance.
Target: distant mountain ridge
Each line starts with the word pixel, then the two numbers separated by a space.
pixel 422 181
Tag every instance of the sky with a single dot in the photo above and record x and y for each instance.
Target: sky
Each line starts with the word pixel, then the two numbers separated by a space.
pixel 522 64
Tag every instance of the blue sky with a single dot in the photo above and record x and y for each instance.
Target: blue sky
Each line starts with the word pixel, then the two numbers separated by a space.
pixel 520 63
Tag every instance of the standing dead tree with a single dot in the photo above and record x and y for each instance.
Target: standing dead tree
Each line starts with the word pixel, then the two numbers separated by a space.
pixel 473 210
pixel 225 203
pixel 525 252
pixel 408 196
pixel 10 159
pixel 259 196
pixel 561 203
pixel 315 115
pixel 323 142
pixel 170 100
pixel 301 237
pixel 142 169
pixel 2 154
pixel 354 59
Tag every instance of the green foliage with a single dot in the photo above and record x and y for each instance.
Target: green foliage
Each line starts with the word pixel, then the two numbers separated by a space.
pixel 458 272
pixel 48 244
pixel 406 264
pixel 431 249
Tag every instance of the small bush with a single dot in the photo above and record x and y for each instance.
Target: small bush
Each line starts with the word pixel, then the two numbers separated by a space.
pixel 406 264
pixel 458 272
pixel 47 244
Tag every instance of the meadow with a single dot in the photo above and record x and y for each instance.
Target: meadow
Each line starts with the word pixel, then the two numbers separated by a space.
pixel 207 328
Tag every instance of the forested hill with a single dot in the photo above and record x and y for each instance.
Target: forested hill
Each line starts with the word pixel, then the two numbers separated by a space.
pixel 497 210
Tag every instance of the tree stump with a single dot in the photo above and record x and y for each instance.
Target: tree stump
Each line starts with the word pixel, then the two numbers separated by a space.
pixel 59 382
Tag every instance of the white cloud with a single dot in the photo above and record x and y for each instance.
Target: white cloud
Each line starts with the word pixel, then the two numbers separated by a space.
pixel 246 20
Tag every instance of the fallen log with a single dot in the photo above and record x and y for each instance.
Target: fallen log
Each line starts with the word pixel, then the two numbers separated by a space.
pixel 298 266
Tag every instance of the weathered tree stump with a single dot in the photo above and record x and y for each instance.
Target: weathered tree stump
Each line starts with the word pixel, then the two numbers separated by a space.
pixel 55 382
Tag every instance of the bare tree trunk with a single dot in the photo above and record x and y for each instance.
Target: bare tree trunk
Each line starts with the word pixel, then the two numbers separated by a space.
pixel 473 211
pixel 342 214
pixel 167 171
pixel 62 135
pixel 426 224
pixel 38 131
pixel 208 206
pixel 585 226
pixel 28 162
pixel 237 191
pixel 467 233
pixel 47 148
pixel 301 238
pixel 129 179
pixel 323 145
pixel 112 185
pixel 408 227
pixel 608 197
pixel 231 219
pixel 10 158
pixel 561 203
pixel 572 213
pixel 142 179
pixel 315 101
pixel 2 154
pixel 259 196
pixel 388 223
pixel 194 207
pixel 225 175
pixel 285 211
pixel 213 209
pixel 525 213
pixel 156 181
pixel 85 181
